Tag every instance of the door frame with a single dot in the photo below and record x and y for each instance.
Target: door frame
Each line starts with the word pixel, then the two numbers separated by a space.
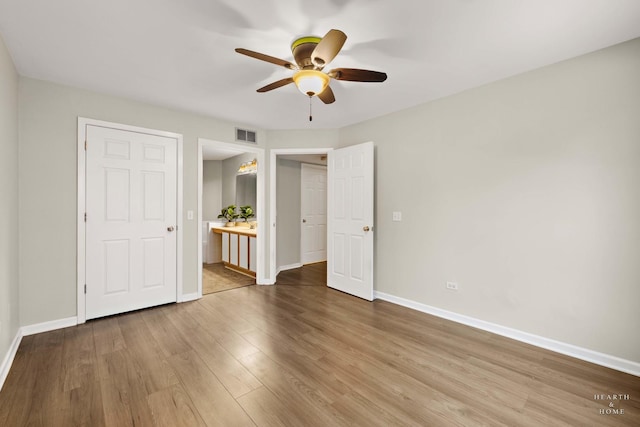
pixel 308 166
pixel 81 205
pixel 261 278
pixel 274 153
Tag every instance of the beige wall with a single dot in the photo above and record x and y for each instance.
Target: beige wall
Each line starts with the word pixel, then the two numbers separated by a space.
pixel 9 291
pixel 211 189
pixel 527 193
pixel 303 138
pixel 288 206
pixel 47 171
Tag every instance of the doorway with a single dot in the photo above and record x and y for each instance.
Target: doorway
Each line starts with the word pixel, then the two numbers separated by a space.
pixel 285 181
pixel 350 177
pixel 219 158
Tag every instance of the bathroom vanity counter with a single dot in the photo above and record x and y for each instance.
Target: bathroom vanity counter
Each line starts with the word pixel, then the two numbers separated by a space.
pixel 239 248
pixel 244 231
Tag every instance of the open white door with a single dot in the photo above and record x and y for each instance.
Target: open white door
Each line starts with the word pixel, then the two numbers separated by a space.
pixel 350 220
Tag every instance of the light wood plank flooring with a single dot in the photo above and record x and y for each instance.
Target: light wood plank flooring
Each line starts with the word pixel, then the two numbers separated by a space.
pixel 299 356
pixel 307 275
pixel 216 278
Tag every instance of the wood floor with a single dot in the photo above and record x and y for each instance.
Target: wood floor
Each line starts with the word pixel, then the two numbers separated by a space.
pixel 217 278
pixel 299 356
pixel 307 275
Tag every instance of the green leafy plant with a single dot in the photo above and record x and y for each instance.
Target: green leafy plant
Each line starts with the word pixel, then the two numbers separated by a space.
pixel 246 212
pixel 229 213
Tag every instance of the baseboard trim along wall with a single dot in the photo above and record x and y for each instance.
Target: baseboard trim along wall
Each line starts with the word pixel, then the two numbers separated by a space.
pixel 49 326
pixel 587 355
pixel 287 267
pixel 8 359
pixel 31 330
pixel 189 297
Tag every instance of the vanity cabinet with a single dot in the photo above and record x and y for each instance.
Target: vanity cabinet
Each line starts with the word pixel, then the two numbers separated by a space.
pixel 225 247
pixel 253 249
pixel 233 249
pixel 239 249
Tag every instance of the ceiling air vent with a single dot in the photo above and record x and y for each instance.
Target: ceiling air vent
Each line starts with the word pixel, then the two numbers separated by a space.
pixel 246 135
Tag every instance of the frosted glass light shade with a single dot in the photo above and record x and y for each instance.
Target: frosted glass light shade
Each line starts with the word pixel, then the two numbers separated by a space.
pixel 311 82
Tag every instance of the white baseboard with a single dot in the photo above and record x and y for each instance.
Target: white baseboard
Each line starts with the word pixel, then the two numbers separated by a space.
pixel 287 267
pixel 592 356
pixel 8 359
pixel 49 326
pixel 190 297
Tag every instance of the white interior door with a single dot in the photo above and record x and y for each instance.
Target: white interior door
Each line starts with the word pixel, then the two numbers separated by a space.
pixel 131 208
pixel 313 213
pixel 350 220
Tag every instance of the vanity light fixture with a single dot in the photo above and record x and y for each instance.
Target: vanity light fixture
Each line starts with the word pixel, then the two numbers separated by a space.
pixel 249 167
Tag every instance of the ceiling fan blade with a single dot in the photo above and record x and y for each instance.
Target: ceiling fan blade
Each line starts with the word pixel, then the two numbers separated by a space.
pixel 327 96
pixel 356 75
pixel 328 48
pixel 267 58
pixel 276 85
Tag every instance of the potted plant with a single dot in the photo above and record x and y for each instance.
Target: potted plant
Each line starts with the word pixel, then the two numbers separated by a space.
pixel 229 213
pixel 246 212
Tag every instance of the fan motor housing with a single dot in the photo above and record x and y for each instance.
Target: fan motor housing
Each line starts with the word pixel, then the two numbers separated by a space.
pixel 302 49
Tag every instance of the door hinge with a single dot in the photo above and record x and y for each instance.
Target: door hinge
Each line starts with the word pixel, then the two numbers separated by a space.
pixel 85 288
pixel 85 145
pixel 85 217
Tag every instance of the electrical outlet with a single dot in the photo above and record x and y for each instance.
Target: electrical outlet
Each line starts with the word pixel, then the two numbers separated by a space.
pixel 397 216
pixel 452 286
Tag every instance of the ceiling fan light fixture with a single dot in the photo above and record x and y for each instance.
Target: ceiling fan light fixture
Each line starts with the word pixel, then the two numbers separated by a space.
pixel 311 82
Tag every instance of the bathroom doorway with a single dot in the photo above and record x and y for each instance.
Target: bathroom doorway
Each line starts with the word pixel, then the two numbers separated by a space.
pixel 223 180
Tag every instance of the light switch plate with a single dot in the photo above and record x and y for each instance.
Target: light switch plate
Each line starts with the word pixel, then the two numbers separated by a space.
pixel 189 214
pixel 397 216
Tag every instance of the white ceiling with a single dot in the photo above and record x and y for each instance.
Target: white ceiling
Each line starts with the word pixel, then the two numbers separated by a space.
pixel 180 53
pixel 218 153
pixel 314 159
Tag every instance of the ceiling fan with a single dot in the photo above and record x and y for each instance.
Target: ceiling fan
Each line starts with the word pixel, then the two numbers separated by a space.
pixel 311 54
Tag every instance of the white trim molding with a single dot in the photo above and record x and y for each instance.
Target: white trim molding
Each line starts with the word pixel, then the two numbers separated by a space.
pixel 8 359
pixel 287 267
pixel 37 328
pixel 48 326
pixel 606 360
pixel 191 297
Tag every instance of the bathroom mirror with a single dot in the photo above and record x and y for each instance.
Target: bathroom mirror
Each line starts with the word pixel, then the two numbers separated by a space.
pixel 246 190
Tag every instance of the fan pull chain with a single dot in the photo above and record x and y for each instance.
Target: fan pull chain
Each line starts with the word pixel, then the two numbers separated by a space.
pixel 310 116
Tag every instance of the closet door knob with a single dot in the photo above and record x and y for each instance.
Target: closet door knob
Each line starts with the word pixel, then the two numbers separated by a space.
pixel 170 228
pixel 365 228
